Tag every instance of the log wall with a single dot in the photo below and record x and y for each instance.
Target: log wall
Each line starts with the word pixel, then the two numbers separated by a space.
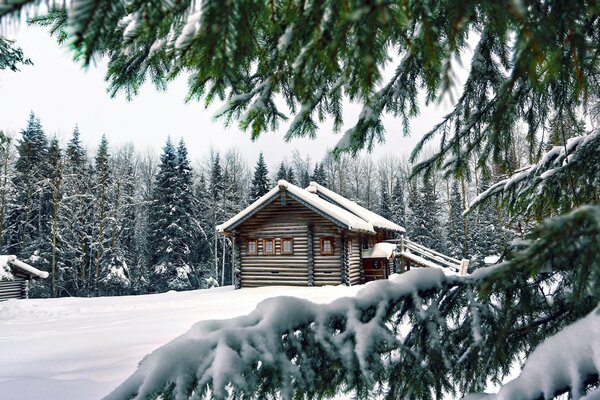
pixel 289 220
pixel 354 260
pixel 15 289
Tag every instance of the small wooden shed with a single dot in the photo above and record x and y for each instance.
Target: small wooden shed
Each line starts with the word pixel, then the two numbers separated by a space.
pixel 15 276
pixel 308 237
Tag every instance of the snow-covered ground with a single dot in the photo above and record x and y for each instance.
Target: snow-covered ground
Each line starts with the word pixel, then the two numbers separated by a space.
pixel 82 348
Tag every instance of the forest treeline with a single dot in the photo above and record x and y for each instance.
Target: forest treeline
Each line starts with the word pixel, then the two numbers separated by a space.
pixel 120 221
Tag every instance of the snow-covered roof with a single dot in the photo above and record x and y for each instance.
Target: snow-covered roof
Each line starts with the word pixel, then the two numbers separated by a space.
pixel 374 219
pixel 491 260
pixel 344 217
pixel 380 250
pixel 8 261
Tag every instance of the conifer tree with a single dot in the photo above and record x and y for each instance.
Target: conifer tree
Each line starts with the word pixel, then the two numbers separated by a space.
pixel 186 221
pixel 281 172
pixel 530 62
pixel 102 206
pixel 398 208
pixel 56 162
pixel 426 227
pixel 455 223
pixel 76 220
pixel 168 271
pixel 260 181
pixel 203 254
pixel 31 213
pixel 384 202
pixel 6 187
pixel 11 56
pixel 289 176
pixel 118 257
pixel 319 175
pixel 215 190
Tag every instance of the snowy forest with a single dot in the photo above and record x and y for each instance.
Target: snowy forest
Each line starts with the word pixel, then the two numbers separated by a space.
pixel 511 170
pixel 117 221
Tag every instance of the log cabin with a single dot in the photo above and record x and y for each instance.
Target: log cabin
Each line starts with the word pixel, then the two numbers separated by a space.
pixel 15 276
pixel 308 237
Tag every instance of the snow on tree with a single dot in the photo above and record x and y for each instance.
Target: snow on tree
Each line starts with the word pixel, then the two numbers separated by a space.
pixel 281 172
pixel 530 63
pixel 260 181
pixel 319 176
pixel 11 56
pixel 103 177
pixel 425 216
pixel 398 208
pixel 456 238
pixel 30 214
pixel 169 269
pixel 76 216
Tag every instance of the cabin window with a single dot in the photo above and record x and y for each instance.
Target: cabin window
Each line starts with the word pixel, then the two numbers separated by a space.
pixel 268 246
pixel 287 246
pixel 327 246
pixel 252 247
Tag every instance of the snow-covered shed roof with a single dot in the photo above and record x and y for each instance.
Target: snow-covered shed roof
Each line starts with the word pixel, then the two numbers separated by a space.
pixel 10 262
pixel 380 250
pixel 329 210
pixel 374 219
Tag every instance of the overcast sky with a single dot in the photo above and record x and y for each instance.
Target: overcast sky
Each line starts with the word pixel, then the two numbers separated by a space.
pixel 63 94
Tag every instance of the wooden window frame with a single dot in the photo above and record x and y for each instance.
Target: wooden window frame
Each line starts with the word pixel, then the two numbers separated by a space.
pixel 283 252
pixel 252 253
pixel 327 253
pixel 272 240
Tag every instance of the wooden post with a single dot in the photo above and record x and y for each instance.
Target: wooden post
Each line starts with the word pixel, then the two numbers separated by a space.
pixel 310 255
pixel 464 266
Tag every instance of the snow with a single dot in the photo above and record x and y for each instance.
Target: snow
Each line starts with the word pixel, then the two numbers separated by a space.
pixel 29 269
pixel 5 268
pixel 82 348
pixel 428 264
pixel 376 220
pixel 562 360
pixel 351 221
pixel 380 250
pixel 220 352
pixel 491 259
pixel 285 39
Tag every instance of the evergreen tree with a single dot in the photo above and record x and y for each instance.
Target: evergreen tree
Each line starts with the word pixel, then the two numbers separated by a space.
pixel 384 202
pixel 31 212
pixel 102 205
pixel 530 62
pixel 260 181
pixel 186 217
pixel 426 229
pixel 203 254
pixel 281 172
pixel 76 219
pixel 169 270
pixel 289 176
pixel 398 209
pixel 216 192
pixel 319 175
pixel 456 223
pixel 55 159
pixel 11 56
pixel 304 179
pixel 117 274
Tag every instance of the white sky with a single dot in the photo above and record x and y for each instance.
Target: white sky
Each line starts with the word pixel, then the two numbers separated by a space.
pixel 63 94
